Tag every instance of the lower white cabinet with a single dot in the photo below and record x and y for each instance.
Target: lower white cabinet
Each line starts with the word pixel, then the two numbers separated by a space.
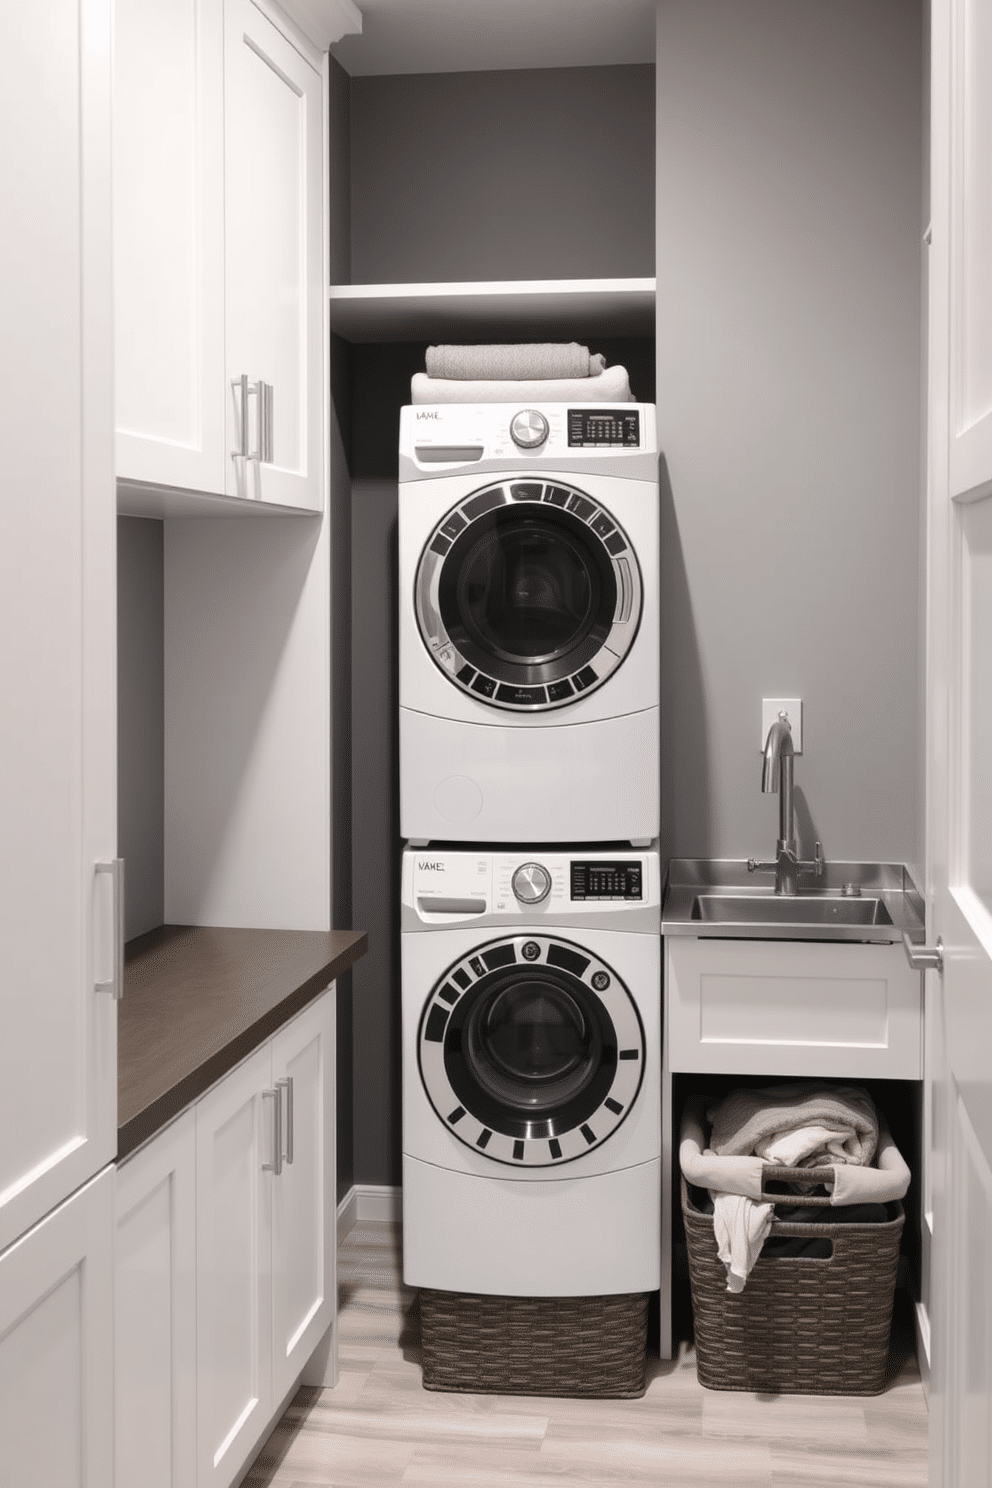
pixel 802 1008
pixel 225 1280
pixel 155 1312
pixel 56 1346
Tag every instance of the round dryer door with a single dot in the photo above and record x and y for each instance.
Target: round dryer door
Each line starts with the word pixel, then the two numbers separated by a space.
pixel 531 1050
pixel 528 595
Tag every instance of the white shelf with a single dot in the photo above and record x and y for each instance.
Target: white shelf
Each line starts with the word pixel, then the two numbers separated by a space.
pixel 143 499
pixel 558 309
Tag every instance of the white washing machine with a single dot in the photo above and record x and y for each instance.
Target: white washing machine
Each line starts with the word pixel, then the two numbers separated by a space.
pixel 529 615
pixel 531 1071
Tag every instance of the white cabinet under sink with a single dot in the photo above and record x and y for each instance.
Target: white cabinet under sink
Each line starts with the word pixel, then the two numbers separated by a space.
pixel 792 1008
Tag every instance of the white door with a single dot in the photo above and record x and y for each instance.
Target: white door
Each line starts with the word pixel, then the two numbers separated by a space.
pixel 303 1240
pixel 960 743
pixel 56 1347
pixel 234 1145
pixel 57 608
pixel 155 1313
pixel 274 253
pixel 169 242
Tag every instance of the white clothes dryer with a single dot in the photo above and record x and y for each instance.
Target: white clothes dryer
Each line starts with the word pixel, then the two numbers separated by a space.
pixel 529 616
pixel 531 991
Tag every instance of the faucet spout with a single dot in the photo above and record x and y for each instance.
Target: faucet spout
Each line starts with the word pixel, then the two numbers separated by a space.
pixel 777 775
pixel 778 746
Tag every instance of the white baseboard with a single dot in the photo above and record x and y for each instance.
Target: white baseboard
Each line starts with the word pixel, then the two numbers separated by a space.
pixel 369 1201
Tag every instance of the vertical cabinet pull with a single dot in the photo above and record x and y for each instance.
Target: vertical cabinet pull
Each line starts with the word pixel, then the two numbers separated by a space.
pixel 114 984
pixel 264 393
pixel 275 1166
pixel 287 1085
pixel 265 438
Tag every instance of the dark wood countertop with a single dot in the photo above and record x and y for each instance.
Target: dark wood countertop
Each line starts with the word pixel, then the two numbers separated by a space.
pixel 198 1000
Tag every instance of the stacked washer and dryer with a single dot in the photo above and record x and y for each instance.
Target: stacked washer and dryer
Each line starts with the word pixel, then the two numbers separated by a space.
pixel 531 892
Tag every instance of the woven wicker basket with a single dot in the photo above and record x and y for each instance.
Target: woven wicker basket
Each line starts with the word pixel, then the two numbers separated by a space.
pixel 571 1346
pixel 801 1325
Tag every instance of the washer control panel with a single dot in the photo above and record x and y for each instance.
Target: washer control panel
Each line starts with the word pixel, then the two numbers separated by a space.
pixel 443 886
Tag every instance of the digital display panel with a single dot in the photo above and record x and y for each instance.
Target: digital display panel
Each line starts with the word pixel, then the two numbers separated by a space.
pixel 599 880
pixel 592 426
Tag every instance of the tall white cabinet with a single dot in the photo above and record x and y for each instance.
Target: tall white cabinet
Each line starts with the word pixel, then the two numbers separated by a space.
pixel 58 933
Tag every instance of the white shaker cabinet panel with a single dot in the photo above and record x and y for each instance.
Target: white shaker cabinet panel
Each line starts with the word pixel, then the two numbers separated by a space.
pixel 57 609
pixel 796 1008
pixel 169 242
pixel 303 1210
pixel 274 255
pixel 219 258
pixel 235 1133
pixel 155 1313
pixel 56 1347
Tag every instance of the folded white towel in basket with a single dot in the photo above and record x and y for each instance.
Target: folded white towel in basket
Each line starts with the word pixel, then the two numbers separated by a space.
pixel 514 362
pixel 609 386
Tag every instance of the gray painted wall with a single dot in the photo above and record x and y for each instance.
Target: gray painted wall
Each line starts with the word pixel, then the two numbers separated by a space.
pixel 503 175
pixel 789 218
pixel 140 721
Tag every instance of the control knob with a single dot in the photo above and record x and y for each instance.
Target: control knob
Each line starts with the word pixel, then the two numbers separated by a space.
pixel 531 883
pixel 529 428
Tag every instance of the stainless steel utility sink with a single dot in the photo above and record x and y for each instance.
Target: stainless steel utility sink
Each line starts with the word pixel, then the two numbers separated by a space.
pixel 847 901
pixel 803 909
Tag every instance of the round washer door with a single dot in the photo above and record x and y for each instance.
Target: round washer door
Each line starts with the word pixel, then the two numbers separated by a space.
pixel 528 595
pixel 531 1050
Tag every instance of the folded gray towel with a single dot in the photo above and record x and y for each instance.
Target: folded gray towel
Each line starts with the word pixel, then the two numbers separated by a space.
pixel 513 363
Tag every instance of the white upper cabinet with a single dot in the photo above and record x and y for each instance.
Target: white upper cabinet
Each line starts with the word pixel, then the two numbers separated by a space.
pixel 219 313
pixel 274 242
pixel 58 1033
pixel 169 242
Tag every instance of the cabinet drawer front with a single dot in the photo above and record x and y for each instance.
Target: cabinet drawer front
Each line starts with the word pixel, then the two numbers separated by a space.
pixel 743 1007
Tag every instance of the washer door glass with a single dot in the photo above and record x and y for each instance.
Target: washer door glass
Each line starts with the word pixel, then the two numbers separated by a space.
pixel 528 595
pixel 531 1050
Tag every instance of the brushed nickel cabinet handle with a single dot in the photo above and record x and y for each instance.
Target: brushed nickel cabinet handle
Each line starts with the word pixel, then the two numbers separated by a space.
pixel 923 957
pixel 115 983
pixel 275 1166
pixel 287 1084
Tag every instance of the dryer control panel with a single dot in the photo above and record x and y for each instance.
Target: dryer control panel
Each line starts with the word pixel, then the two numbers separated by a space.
pixel 589 887
pixel 440 439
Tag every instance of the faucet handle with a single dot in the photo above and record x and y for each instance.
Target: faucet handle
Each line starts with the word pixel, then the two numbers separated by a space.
pixel 754 866
pixel 816 867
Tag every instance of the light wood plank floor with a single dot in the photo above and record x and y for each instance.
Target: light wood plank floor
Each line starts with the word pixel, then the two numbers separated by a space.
pixel 381 1428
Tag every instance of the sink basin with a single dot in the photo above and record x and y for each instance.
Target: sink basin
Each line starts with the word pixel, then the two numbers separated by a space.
pixel 804 909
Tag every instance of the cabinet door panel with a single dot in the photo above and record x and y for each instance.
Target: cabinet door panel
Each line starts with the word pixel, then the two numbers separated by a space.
pixel 155 1313
pixel 233 1268
pixel 793 1008
pixel 274 254
pixel 56 1347
pixel 303 1238
pixel 57 620
pixel 169 242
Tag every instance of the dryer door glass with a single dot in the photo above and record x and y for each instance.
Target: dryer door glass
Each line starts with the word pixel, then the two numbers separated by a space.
pixel 528 595
pixel 531 1049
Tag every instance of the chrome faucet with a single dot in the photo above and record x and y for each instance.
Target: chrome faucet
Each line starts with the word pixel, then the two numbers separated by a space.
pixel 776 775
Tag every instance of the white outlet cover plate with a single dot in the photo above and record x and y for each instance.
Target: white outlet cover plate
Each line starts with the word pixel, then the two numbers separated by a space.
pixel 793 709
